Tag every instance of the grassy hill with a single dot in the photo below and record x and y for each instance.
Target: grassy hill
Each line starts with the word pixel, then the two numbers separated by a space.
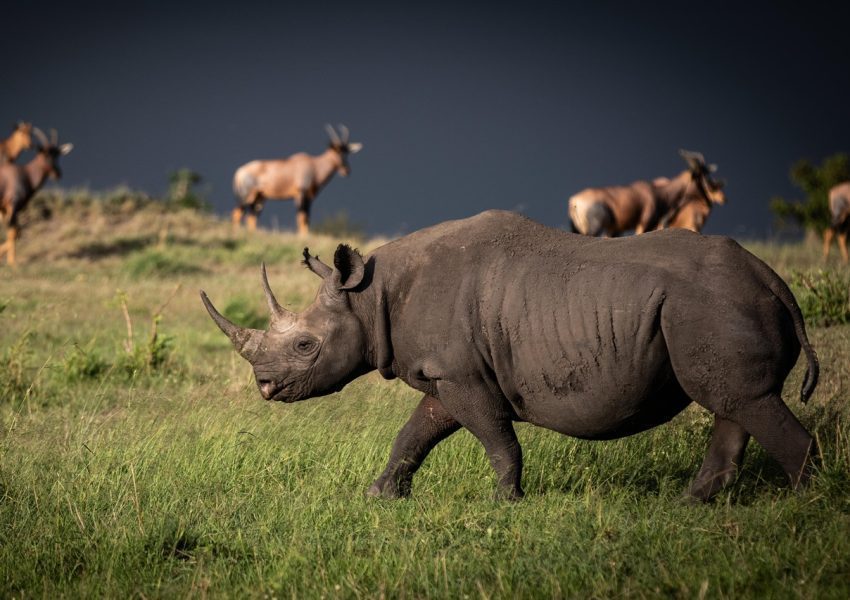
pixel 137 458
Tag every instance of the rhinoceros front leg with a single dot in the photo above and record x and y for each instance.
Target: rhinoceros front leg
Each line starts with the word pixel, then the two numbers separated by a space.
pixel 722 462
pixel 428 425
pixel 480 410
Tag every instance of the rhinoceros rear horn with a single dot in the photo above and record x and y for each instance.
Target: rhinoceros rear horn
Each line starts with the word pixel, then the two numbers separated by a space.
pixel 281 318
pixel 245 341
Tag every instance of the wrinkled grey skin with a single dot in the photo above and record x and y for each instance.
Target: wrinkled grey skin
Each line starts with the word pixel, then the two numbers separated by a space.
pixel 499 319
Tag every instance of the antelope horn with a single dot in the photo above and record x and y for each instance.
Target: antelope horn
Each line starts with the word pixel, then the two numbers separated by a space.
pixel 281 318
pixel 343 130
pixel 333 135
pixel 692 158
pixel 246 341
pixel 40 135
pixel 54 137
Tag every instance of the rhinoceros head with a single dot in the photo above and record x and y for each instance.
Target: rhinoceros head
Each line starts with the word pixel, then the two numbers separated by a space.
pixel 312 353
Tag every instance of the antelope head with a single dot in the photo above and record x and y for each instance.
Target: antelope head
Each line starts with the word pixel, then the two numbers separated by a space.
pixel 50 151
pixel 340 144
pixel 701 176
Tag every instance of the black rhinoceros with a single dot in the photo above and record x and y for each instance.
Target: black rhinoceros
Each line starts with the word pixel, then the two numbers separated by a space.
pixel 498 319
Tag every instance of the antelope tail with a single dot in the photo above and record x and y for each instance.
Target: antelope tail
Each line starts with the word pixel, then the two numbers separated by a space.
pixel 243 183
pixel 578 214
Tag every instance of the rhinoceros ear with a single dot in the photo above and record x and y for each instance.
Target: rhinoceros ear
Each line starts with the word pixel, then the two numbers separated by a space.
pixel 348 268
pixel 314 264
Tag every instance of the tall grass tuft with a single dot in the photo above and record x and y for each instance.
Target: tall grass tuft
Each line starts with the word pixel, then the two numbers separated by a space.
pixel 15 379
pixel 824 296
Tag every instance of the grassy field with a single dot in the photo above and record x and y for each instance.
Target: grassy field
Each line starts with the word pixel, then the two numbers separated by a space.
pixel 148 466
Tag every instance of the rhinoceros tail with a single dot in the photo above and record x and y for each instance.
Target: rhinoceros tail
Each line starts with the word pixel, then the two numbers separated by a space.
pixel 781 291
pixel 813 370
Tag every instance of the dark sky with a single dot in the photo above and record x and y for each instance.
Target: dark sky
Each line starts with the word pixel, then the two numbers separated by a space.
pixel 460 109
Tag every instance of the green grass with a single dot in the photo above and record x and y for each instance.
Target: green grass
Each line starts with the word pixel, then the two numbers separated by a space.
pixel 178 481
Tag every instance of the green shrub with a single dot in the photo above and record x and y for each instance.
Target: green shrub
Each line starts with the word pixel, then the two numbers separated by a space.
pixel 153 356
pixel 182 193
pixel 153 262
pixel 340 225
pixel 240 311
pixel 815 181
pixel 82 364
pixel 824 297
pixel 252 255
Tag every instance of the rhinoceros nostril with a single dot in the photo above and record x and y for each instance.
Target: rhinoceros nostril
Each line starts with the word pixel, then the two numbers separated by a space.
pixel 267 388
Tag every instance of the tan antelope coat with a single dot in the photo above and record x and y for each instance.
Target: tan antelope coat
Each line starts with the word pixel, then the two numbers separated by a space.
pixel 839 209
pixel 299 177
pixel 20 140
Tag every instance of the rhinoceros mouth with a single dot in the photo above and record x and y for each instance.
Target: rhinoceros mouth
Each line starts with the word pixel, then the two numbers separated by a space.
pixel 280 395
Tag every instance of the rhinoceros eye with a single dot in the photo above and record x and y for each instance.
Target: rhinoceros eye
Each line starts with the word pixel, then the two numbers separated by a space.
pixel 305 345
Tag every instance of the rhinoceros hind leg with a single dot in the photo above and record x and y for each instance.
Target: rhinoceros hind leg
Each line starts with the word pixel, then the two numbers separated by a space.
pixel 721 464
pixel 428 425
pixel 779 432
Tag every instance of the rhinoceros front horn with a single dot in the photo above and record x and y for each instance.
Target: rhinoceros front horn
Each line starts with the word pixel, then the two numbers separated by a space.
pixel 246 341
pixel 282 319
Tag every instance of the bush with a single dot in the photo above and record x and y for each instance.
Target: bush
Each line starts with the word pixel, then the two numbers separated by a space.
pixel 158 263
pixel 182 193
pixel 240 311
pixel 824 297
pixel 815 181
pixel 252 254
pixel 82 364
pixel 154 356
pixel 340 225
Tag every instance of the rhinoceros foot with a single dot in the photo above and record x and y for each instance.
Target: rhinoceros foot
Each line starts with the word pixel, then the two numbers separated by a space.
pixel 389 489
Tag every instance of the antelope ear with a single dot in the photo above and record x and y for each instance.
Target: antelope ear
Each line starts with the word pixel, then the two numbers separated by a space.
pixel 65 149
pixel 355 147
pixel 348 268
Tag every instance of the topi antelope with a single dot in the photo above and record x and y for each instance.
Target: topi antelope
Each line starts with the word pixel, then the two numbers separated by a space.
pixel 643 205
pixel 690 210
pixel 299 177
pixel 18 183
pixel 839 208
pixel 20 140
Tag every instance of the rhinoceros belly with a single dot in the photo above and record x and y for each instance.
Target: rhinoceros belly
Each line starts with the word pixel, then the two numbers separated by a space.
pixel 596 366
